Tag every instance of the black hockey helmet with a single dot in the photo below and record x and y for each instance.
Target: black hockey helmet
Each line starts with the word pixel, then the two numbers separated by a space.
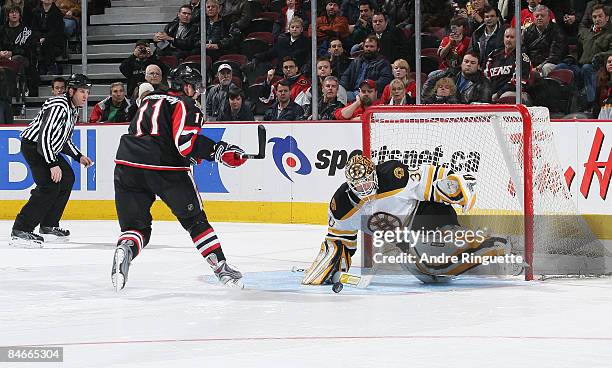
pixel 184 74
pixel 78 81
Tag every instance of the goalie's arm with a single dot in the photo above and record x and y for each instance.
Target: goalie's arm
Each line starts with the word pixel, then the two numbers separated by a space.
pixel 439 184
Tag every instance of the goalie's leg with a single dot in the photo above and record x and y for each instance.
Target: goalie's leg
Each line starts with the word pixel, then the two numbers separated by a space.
pixel 334 256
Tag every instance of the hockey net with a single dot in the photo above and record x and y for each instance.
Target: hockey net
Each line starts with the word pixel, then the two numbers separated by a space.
pixel 520 188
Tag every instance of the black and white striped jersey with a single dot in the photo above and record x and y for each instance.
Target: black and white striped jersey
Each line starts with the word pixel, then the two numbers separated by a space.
pixel 52 129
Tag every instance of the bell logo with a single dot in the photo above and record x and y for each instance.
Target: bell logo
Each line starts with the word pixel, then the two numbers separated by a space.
pixel 287 156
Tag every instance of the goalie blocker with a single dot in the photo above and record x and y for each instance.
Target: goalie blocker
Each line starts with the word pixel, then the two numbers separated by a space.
pixel 390 196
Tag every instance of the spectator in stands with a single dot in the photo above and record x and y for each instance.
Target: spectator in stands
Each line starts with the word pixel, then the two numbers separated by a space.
pixel 58 86
pixel 455 45
pixel 48 26
pixel 393 44
pixel 605 89
pixel 500 69
pixel 115 108
pixel 363 27
pixel 283 108
pixel 370 65
pixel 134 67
pixel 400 68
pixel 337 57
pixel 237 13
pixel 154 75
pixel 328 100
pixel 596 41
pixel 71 9
pixel 489 36
pixel 399 12
pixel 445 93
pixel 570 26
pixel 180 37
pixel 17 43
pixel 216 101
pixel 292 9
pixel 527 15
pixel 329 25
pixel 236 109
pixel 544 42
pixel 324 70
pixel 219 41
pixel 144 89
pixel 350 10
pixel 587 19
pixel 398 93
pixel 195 11
pixel 298 83
pixel 292 44
pixel 26 8
pixel 367 97
pixel 476 16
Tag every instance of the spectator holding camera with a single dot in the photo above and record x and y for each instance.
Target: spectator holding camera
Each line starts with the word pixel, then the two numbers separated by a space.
pixel 134 67
pixel 455 45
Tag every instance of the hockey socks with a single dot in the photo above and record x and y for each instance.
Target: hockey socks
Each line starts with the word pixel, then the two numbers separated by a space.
pixel 206 241
pixel 137 241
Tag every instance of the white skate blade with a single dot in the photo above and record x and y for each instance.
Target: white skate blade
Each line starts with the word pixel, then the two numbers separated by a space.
pixel 23 243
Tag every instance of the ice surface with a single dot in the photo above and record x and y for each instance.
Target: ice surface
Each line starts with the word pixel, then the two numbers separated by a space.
pixel 172 315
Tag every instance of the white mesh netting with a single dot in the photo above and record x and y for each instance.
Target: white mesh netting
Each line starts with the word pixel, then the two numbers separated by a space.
pixel 489 144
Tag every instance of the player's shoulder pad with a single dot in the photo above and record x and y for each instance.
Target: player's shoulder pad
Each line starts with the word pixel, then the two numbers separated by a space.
pixel 392 175
pixel 342 203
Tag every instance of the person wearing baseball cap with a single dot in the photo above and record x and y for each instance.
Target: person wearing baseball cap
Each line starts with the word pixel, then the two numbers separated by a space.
pixel 367 97
pixel 216 102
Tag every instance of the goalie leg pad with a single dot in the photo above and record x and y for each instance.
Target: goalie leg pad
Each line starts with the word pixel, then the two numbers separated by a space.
pixel 334 256
pixel 457 189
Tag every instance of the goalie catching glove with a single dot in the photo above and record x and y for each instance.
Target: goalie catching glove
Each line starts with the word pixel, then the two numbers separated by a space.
pixel 333 257
pixel 228 154
pixel 457 189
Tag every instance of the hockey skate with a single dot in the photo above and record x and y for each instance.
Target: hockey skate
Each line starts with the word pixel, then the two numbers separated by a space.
pixel 225 273
pixel 25 239
pixel 54 234
pixel 121 264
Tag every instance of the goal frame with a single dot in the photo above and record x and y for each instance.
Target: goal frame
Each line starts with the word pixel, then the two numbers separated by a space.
pixel 528 210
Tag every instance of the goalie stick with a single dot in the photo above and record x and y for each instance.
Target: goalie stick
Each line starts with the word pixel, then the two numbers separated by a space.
pixel 261 140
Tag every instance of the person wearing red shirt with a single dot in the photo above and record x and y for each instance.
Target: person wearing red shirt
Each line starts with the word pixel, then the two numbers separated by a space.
pixel 365 99
pixel 400 69
pixel 527 18
pixel 454 46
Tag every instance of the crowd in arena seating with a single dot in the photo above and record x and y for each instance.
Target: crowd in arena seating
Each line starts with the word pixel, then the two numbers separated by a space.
pixel 259 55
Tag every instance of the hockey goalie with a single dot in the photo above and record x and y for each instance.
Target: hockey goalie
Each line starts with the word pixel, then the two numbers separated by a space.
pixel 390 196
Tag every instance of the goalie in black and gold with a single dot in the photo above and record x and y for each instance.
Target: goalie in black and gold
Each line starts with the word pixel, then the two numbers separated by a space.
pixel 389 196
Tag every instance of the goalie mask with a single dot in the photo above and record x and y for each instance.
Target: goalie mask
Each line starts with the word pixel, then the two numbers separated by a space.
pixel 361 176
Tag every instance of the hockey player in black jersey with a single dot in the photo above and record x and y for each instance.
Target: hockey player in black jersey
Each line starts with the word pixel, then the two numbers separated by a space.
pixel 389 196
pixel 155 158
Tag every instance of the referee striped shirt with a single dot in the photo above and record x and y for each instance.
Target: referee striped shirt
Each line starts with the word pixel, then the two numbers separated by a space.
pixel 52 129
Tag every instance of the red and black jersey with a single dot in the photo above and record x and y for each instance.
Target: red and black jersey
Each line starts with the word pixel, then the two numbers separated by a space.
pixel 164 134
pixel 500 70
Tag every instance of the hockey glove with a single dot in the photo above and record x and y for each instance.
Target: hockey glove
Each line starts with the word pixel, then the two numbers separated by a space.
pixel 228 154
pixel 457 189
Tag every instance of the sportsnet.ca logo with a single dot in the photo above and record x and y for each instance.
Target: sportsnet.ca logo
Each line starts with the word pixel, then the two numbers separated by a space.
pixel 459 160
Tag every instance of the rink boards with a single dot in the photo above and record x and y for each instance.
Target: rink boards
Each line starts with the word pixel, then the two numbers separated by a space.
pixel 303 167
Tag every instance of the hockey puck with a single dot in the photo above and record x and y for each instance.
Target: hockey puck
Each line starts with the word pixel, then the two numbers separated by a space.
pixel 337 287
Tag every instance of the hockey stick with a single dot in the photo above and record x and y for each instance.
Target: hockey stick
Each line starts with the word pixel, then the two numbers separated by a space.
pixel 261 137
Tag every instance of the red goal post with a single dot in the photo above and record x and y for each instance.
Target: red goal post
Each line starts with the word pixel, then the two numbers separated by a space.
pixel 513 157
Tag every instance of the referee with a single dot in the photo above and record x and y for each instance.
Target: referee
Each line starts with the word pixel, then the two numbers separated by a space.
pixel 41 144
